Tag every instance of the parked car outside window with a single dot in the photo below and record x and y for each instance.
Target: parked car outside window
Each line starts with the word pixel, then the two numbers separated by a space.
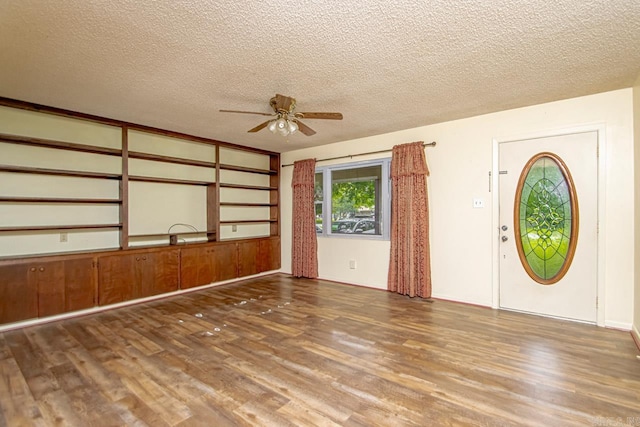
pixel 354 226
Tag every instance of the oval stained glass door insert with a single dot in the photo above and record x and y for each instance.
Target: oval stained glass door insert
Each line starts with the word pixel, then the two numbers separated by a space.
pixel 546 218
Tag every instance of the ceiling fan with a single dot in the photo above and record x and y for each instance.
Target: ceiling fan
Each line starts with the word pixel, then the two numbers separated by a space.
pixel 285 120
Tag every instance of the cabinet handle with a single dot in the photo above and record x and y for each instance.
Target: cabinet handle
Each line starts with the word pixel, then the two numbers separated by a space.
pixel 137 258
pixel 33 269
pixel 144 258
pixel 41 268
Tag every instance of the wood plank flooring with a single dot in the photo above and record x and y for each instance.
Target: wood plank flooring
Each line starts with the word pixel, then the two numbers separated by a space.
pixel 279 351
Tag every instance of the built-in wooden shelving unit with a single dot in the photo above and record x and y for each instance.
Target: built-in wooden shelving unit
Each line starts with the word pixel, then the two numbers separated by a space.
pixel 110 187
pixel 230 203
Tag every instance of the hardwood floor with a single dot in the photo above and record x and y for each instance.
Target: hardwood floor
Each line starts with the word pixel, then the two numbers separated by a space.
pixel 280 351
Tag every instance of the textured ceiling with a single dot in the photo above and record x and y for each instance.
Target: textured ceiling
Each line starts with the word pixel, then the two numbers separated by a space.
pixel 386 65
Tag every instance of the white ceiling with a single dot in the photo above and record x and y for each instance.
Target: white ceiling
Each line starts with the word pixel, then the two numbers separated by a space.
pixel 386 65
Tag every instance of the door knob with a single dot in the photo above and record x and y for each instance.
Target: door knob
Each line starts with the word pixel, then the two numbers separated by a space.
pixel 504 238
pixel 504 228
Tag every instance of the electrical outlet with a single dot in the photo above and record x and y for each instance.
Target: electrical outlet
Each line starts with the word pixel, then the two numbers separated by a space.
pixel 234 228
pixel 64 237
pixel 478 203
pixel 352 264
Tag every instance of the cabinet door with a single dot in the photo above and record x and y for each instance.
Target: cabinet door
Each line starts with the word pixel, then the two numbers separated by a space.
pixel 248 258
pixel 225 258
pixel 18 293
pixel 116 278
pixel 65 286
pixel 162 272
pixel 269 254
pixel 196 267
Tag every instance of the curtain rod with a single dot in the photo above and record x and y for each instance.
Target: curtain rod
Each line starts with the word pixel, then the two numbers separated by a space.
pixel 349 156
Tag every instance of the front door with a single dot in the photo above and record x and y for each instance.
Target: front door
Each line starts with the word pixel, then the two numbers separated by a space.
pixel 549 225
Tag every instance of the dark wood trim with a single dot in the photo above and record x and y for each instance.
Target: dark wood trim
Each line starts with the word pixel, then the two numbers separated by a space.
pixel 168 159
pixel 274 195
pixel 59 172
pixel 247 187
pixel 124 191
pixel 249 221
pixel 58 227
pixel 213 202
pixel 168 180
pixel 62 145
pixel 24 105
pixel 58 200
pixel 249 170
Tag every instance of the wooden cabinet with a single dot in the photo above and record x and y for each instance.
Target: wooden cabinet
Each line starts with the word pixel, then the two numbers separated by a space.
pixel 39 289
pixel 269 254
pixel 196 267
pixel 203 265
pixel 65 286
pixel 47 286
pixel 225 261
pixel 125 277
pixel 18 293
pixel 248 259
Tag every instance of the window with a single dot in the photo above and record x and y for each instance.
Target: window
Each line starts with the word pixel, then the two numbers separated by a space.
pixel 546 218
pixel 353 199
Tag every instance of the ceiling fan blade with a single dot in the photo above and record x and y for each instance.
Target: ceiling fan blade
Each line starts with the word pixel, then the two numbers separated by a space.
pixel 329 116
pixel 260 126
pixel 246 112
pixel 305 129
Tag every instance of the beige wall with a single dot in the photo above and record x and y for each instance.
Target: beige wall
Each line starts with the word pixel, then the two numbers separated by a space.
pixel 462 237
pixel 636 132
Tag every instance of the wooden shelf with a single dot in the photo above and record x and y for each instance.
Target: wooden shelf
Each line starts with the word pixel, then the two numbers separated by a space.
pixel 58 172
pixel 58 227
pixel 58 200
pixel 247 187
pixel 246 169
pixel 248 205
pixel 168 180
pixel 49 143
pixel 186 233
pixel 167 159
pixel 249 221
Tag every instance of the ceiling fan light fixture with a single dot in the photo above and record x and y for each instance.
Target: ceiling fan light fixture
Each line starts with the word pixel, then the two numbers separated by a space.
pixel 283 126
pixel 293 126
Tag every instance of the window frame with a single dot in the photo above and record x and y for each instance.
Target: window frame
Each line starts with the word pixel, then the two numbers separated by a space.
pixel 385 198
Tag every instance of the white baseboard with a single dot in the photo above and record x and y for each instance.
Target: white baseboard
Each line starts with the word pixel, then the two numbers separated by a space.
pixel 617 325
pixel 463 301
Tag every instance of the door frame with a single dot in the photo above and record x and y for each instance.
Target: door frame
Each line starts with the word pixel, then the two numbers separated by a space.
pixel 600 129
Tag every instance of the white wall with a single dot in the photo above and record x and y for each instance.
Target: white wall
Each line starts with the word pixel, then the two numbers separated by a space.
pixel 462 237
